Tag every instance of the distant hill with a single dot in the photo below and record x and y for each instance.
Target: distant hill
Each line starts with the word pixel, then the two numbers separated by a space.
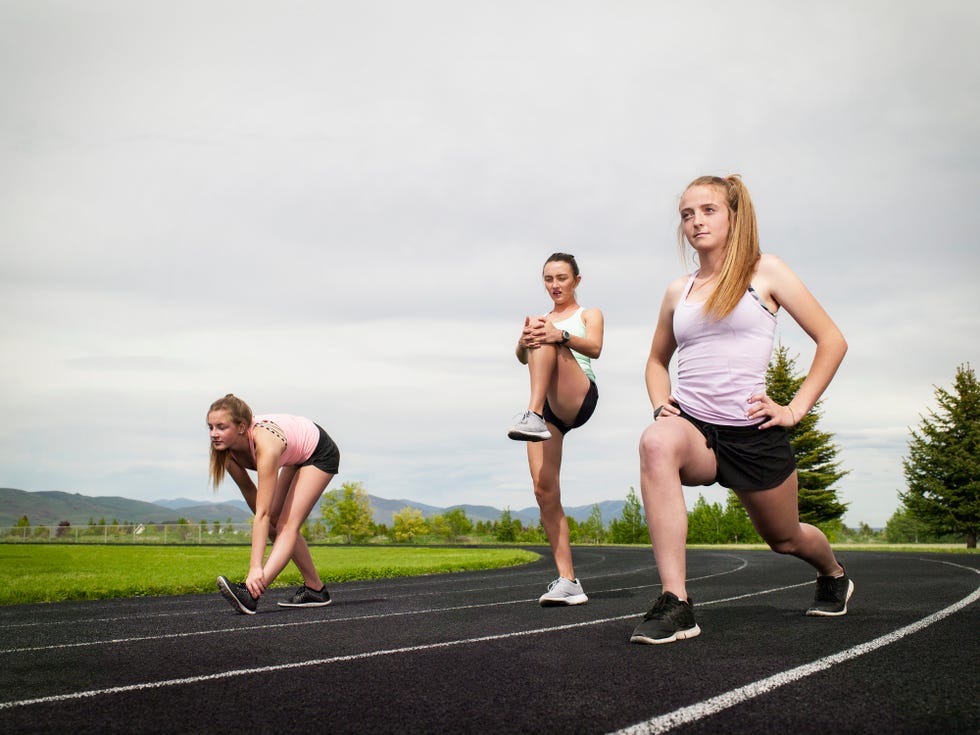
pixel 51 507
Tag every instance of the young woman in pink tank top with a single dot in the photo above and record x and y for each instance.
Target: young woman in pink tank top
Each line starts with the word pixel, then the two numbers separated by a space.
pixel 718 424
pixel 295 460
pixel 557 349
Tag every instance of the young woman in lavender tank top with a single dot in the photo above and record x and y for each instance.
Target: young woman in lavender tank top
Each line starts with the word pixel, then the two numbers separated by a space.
pixel 294 460
pixel 717 424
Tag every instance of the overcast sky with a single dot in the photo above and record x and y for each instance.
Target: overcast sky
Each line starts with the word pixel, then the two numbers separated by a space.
pixel 341 210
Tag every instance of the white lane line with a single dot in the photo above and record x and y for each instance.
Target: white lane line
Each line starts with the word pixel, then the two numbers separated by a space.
pixel 707 708
pixel 349 657
pixel 328 621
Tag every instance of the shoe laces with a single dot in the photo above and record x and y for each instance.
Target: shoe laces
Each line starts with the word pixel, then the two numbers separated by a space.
pixel 663 605
pixel 827 589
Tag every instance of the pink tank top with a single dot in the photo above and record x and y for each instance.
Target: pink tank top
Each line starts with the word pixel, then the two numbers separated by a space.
pixel 300 435
pixel 721 363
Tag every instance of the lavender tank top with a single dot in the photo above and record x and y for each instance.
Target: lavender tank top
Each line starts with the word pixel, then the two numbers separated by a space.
pixel 300 435
pixel 721 363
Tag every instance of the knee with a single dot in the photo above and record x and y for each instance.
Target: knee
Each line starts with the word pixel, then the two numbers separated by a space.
pixel 654 450
pixel 546 493
pixel 783 545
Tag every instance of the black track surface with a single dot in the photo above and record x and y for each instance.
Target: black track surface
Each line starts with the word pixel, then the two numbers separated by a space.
pixel 473 652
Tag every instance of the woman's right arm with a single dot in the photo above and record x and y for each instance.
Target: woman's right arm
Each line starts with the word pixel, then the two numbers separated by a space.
pixel 661 350
pixel 525 342
pixel 244 482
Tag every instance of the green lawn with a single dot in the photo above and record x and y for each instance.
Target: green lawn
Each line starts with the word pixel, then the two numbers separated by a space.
pixel 50 573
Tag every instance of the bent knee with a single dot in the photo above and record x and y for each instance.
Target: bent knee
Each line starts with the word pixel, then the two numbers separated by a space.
pixel 656 447
pixel 782 546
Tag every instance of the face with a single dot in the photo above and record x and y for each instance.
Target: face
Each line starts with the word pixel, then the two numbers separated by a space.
pixel 560 282
pixel 704 217
pixel 223 431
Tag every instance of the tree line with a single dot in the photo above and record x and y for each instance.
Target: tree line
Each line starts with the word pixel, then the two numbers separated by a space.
pixel 941 502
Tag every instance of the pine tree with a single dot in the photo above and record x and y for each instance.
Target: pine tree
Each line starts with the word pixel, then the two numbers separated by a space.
pixel 632 527
pixel 816 454
pixel 942 470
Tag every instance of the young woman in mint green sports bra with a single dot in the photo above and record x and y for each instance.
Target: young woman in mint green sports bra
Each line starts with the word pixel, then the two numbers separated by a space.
pixel 558 349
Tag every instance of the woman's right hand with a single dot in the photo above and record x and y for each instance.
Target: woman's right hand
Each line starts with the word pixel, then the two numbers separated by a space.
pixel 255 582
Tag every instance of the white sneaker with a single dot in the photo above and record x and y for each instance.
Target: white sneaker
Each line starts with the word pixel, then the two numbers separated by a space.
pixel 563 592
pixel 531 428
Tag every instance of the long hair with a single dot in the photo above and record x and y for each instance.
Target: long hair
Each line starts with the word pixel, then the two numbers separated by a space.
pixel 742 249
pixel 240 413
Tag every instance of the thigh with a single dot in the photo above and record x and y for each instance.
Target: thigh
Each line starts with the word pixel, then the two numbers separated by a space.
pixel 306 487
pixel 544 460
pixel 568 388
pixel 775 513
pixel 674 442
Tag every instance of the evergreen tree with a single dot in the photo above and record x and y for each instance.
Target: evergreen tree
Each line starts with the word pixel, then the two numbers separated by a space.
pixel 736 528
pixel 942 470
pixel 631 528
pixel 816 454
pixel 347 512
pixel 505 528
pixel 704 522
pixel 593 531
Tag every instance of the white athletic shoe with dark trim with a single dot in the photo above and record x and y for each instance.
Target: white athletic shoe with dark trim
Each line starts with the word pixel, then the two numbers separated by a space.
pixel 531 428
pixel 563 592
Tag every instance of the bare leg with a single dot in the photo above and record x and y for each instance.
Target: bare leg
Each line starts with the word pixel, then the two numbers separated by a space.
pixel 544 460
pixel 672 453
pixel 776 516
pixel 301 491
pixel 301 553
pixel 557 376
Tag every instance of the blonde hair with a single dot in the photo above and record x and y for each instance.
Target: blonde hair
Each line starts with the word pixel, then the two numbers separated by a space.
pixel 742 249
pixel 240 414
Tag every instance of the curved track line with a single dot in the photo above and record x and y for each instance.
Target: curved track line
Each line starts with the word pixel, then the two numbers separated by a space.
pixel 701 710
pixel 349 657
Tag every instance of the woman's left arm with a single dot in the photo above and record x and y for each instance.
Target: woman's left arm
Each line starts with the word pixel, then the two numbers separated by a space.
pixel 785 288
pixel 590 345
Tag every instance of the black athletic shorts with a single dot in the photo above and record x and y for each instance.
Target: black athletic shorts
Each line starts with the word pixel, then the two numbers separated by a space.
pixel 748 458
pixel 584 413
pixel 326 455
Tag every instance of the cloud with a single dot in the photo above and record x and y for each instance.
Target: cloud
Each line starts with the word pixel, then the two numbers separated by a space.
pixel 342 211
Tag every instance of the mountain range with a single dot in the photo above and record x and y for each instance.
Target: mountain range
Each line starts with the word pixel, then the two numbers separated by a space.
pixel 48 508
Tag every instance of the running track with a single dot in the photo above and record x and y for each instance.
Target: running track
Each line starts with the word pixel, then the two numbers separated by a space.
pixel 473 652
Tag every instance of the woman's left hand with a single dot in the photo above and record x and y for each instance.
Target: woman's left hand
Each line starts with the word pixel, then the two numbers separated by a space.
pixel 255 582
pixel 762 406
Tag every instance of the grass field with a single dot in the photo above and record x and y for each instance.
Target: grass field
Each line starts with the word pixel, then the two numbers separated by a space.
pixel 51 573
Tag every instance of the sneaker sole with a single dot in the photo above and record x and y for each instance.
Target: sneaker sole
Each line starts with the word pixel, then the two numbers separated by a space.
pixel 678 636
pixel 563 601
pixel 304 604
pixel 230 596
pixel 826 614
pixel 522 437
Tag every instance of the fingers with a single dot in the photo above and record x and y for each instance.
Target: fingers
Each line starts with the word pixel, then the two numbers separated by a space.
pixel 763 407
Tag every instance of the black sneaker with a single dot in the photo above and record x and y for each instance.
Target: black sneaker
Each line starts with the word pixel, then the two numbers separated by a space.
pixel 306 597
pixel 831 596
pixel 238 595
pixel 669 620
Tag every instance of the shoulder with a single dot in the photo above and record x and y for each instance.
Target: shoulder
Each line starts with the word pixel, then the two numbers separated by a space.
pixel 591 314
pixel 676 288
pixel 772 266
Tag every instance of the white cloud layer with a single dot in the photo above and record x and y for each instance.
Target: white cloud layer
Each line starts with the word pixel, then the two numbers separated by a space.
pixel 341 210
